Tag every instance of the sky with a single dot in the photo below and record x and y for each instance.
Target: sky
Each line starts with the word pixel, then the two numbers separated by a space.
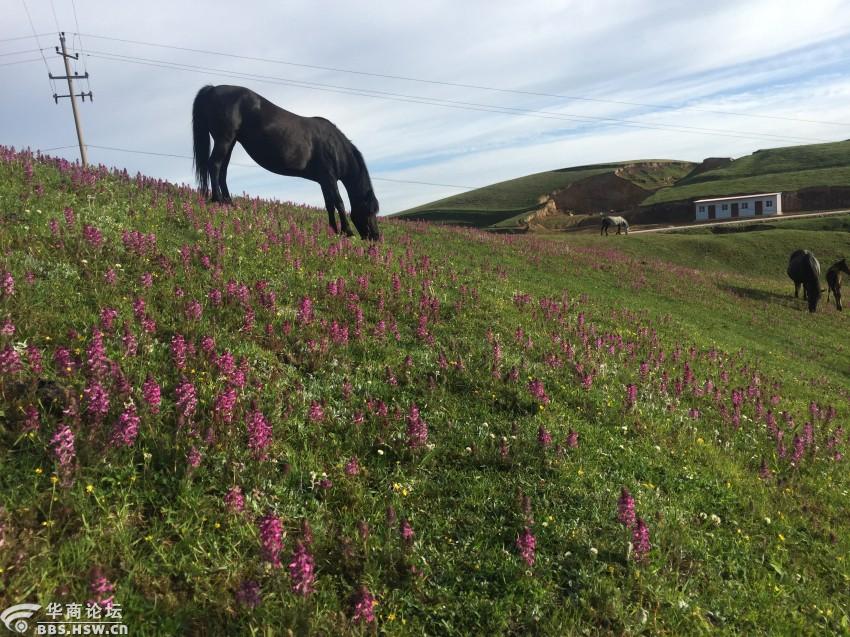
pixel 440 96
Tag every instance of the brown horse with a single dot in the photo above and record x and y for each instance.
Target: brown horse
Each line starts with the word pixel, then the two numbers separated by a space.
pixel 833 281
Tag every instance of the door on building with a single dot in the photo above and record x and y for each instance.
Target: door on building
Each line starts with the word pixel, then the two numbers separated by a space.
pixel 734 210
pixel 711 214
pixel 759 204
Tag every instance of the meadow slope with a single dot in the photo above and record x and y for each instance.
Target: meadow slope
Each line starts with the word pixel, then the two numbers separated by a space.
pixel 231 421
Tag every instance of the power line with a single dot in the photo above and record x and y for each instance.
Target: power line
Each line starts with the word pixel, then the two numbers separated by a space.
pixel 479 87
pixel 21 52
pixel 38 42
pixel 55 18
pixel 455 104
pixel 24 37
pixel 77 35
pixel 147 152
pixel 21 62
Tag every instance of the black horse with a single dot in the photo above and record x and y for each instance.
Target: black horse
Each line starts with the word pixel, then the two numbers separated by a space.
pixel 804 269
pixel 284 143
pixel 833 281
pixel 618 222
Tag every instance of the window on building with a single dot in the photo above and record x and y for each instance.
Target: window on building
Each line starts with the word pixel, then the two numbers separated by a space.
pixel 702 208
pixel 725 206
pixel 768 204
pixel 745 205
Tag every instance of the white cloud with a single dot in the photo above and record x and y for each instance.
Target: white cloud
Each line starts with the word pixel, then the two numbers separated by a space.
pixel 764 57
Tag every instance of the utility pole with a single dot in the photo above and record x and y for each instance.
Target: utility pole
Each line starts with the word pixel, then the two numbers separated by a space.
pixel 71 94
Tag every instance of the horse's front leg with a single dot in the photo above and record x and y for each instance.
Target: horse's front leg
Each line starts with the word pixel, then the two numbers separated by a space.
pixel 333 201
pixel 837 294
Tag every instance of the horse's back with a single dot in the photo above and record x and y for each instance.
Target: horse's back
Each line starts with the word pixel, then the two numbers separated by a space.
pixel 802 265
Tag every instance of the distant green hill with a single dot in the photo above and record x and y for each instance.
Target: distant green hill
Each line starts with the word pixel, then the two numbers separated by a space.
pixel 775 169
pixel 505 203
pixel 582 190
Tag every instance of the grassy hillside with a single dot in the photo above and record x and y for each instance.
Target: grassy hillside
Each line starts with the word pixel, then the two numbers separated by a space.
pixel 492 203
pixel 501 203
pixel 777 169
pixel 230 421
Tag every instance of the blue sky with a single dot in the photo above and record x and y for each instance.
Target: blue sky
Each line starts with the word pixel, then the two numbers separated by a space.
pixel 689 65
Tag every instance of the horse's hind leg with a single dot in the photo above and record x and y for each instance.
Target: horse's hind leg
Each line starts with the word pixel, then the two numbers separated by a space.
pixel 837 295
pixel 219 158
pixel 222 176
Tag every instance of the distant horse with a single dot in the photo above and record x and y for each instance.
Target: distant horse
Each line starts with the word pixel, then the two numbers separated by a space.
pixel 617 222
pixel 284 143
pixel 804 269
pixel 833 281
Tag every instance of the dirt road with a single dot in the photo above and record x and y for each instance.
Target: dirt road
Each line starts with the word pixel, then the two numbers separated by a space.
pixel 788 217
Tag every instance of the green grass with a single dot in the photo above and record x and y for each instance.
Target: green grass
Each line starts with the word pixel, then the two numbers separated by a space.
pixel 732 553
pixel 773 170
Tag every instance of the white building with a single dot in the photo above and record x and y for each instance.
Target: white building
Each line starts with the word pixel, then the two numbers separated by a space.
pixel 769 203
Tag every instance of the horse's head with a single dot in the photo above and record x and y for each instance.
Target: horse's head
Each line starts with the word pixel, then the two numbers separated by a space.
pixel 364 214
pixel 813 293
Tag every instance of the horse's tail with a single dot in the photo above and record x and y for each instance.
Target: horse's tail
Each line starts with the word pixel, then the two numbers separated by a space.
pixel 201 141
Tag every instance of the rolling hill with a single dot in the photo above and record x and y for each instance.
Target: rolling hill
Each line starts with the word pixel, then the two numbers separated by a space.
pixel 230 421
pixel 812 177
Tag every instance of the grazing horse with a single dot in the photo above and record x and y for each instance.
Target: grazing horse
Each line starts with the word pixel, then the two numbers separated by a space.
pixel 283 143
pixel 833 281
pixel 804 269
pixel 619 222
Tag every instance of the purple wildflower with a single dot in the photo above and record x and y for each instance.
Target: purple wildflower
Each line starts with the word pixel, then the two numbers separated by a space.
pixel 406 532
pixel 352 467
pixel 10 362
pixel 151 394
pixel 271 539
pixel 63 445
pixel 8 284
pixel 193 458
pixel 538 391
pixel 305 311
pixel 302 570
pixel 187 400
pixel 363 603
pixel 234 499
pixel 223 405
pixel 97 401
pixel 127 428
pixel 259 434
pixel 526 543
pixel 32 422
pixel 102 589
pixel 640 540
pixel 316 413
pixel 417 429
pixel 626 508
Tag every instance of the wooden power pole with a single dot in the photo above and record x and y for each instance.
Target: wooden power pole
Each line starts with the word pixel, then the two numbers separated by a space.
pixel 71 94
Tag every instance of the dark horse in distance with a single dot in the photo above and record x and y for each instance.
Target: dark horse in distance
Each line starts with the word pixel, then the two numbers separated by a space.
pixel 618 222
pixel 804 269
pixel 833 281
pixel 283 143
